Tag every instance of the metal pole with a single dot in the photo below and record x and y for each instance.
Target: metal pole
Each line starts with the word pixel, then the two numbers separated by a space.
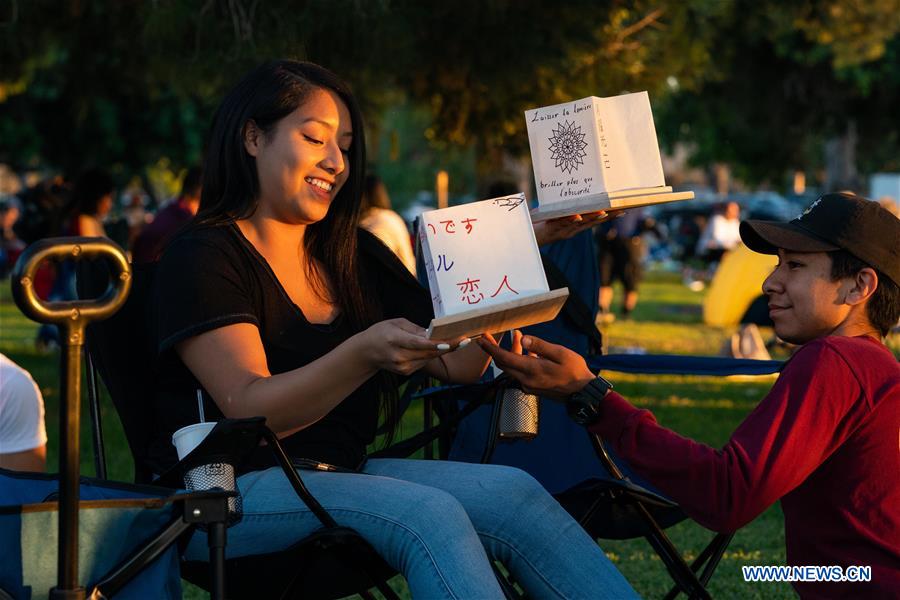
pixel 69 466
pixel 429 422
pixel 96 418
pixel 216 540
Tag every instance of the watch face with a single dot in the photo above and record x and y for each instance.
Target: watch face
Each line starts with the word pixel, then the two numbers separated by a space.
pixel 584 405
pixel 582 409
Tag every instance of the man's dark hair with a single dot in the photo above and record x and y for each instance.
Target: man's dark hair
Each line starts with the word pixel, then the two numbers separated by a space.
pixel 883 308
pixel 192 182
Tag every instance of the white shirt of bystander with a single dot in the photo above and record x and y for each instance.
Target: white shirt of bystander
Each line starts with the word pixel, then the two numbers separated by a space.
pixel 721 233
pixel 21 410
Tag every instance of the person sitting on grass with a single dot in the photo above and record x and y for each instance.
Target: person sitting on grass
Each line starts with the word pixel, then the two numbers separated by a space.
pixel 824 440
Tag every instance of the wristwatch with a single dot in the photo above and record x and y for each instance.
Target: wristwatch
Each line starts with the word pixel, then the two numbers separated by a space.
pixel 584 405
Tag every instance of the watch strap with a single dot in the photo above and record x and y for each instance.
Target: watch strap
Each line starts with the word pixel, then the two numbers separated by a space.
pixel 583 406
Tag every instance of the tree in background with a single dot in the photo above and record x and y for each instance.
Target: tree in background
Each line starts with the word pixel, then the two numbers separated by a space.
pixel 806 86
pixel 760 86
pixel 126 82
pixel 532 54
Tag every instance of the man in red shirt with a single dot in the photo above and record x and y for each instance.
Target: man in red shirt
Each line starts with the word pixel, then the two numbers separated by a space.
pixel 824 440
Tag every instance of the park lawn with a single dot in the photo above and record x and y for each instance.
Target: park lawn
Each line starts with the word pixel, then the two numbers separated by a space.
pixel 667 320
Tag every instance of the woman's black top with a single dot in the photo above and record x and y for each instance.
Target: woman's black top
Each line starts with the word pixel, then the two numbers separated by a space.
pixel 212 277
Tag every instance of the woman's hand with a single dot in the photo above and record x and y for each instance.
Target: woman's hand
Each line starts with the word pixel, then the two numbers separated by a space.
pixel 399 346
pixel 562 228
pixel 547 369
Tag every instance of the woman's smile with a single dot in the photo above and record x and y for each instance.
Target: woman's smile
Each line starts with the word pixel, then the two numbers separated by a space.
pixel 320 184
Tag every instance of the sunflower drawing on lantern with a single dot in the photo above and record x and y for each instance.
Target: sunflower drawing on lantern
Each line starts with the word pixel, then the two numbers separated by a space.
pixel 567 146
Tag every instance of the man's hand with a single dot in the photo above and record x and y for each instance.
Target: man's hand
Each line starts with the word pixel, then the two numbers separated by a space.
pixel 562 228
pixel 547 369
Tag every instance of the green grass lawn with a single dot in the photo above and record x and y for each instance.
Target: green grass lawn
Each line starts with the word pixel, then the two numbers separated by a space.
pixel 667 320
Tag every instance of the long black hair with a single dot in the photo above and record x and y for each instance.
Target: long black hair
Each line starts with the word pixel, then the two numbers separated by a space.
pixel 264 96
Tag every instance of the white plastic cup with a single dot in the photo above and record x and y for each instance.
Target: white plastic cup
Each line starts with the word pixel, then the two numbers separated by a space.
pixel 188 438
pixel 210 475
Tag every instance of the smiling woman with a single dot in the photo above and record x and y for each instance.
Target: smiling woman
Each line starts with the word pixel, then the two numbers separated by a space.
pixel 275 303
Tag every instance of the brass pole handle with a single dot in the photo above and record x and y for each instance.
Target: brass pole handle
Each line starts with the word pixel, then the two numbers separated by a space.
pixel 75 248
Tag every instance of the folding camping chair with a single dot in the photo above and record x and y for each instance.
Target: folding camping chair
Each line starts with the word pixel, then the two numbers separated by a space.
pixel 273 575
pixel 30 503
pixel 333 562
pixel 650 511
pixel 138 526
pixel 612 506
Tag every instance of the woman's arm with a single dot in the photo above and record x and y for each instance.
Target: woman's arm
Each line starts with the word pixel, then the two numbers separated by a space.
pixel 231 365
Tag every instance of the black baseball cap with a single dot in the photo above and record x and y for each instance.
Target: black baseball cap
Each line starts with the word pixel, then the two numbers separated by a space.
pixel 833 222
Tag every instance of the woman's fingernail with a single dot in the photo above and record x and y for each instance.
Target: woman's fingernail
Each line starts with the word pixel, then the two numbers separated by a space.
pixel 465 342
pixel 443 346
pixel 526 342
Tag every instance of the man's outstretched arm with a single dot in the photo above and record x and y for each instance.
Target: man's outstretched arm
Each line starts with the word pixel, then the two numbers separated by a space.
pixel 776 447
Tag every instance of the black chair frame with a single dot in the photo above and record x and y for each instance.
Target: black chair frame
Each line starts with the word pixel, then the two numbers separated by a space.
pixel 638 511
pixel 338 560
pixel 114 353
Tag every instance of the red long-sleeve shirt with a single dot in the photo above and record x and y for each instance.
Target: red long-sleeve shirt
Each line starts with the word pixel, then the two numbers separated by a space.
pixel 825 440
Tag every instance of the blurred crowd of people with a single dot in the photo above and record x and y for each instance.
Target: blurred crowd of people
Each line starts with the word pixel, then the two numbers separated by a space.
pixel 85 206
pixel 693 238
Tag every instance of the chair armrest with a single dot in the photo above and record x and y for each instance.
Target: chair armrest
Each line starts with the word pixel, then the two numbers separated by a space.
pixel 229 442
pixel 480 394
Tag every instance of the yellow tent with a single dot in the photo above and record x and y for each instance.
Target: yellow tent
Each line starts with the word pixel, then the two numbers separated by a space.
pixel 737 282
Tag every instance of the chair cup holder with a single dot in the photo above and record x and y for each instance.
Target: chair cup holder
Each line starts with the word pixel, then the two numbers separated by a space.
pixel 217 476
pixel 211 465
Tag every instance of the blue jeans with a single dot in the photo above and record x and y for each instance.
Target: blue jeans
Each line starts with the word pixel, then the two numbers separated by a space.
pixel 437 522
